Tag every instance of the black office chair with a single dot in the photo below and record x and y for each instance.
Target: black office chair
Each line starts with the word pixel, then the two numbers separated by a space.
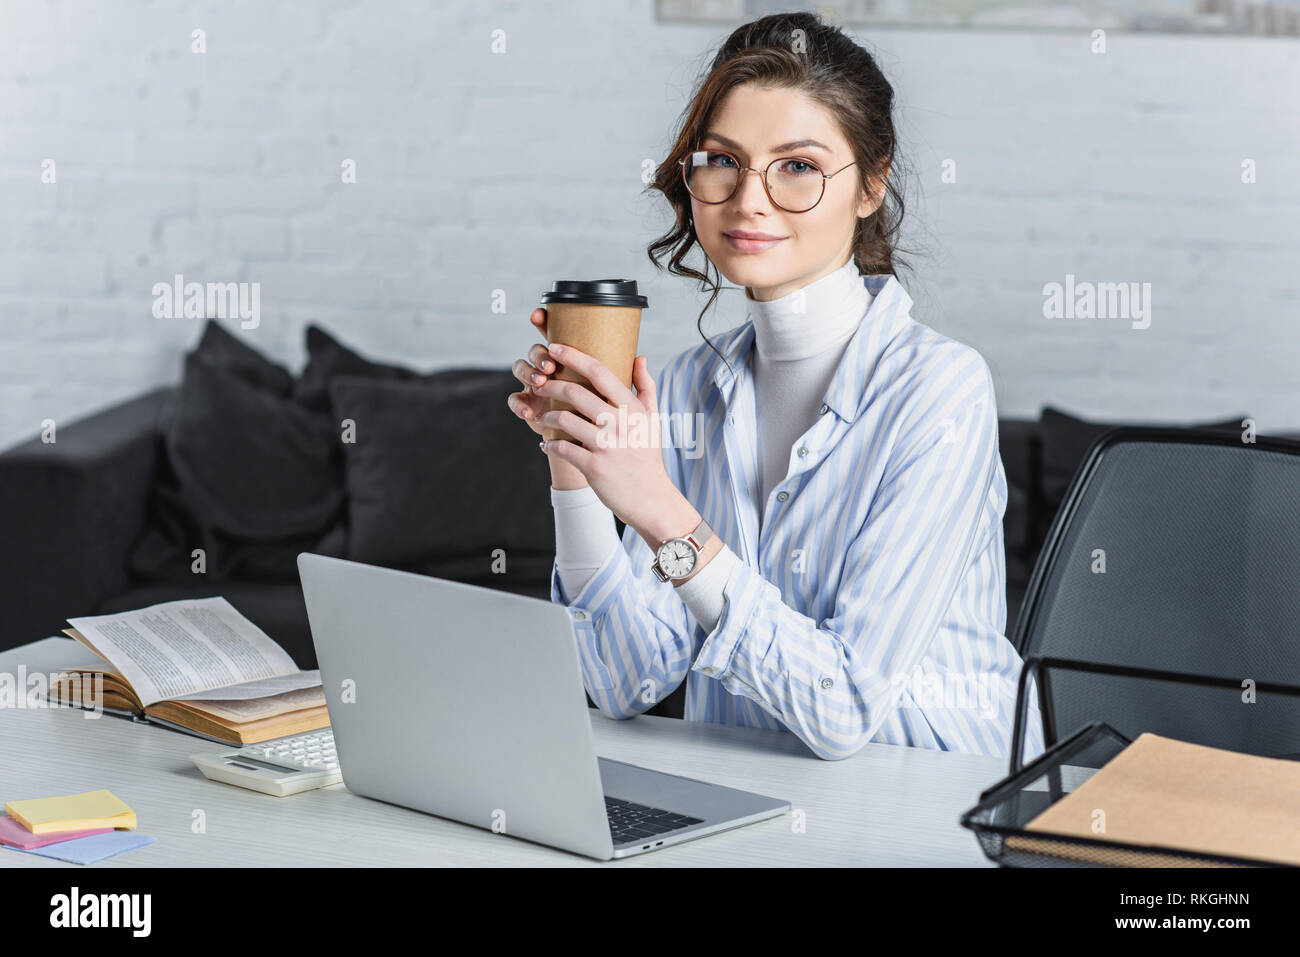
pixel 1175 551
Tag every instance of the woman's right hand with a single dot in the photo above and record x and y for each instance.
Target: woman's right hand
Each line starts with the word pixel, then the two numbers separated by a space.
pixel 527 404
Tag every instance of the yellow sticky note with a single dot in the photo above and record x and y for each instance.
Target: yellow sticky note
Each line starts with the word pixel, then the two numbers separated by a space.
pixel 72 812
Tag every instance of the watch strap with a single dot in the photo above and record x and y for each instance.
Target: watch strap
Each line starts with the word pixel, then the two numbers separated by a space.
pixel 698 536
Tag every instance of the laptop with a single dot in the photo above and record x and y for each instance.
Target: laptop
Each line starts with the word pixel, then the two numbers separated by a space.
pixel 467 702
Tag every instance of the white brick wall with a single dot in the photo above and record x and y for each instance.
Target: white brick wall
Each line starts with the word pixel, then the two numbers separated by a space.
pixel 225 166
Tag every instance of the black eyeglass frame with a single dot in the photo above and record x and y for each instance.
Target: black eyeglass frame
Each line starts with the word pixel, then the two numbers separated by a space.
pixel 740 178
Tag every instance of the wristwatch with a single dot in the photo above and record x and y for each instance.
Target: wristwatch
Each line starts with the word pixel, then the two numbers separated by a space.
pixel 676 558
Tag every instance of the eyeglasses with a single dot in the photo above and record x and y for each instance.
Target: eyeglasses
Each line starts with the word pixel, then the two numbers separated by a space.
pixel 794 185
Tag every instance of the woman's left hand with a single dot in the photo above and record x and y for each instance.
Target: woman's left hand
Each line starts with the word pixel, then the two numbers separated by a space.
pixel 622 459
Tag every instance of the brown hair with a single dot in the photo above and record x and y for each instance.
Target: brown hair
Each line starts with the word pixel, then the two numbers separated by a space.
pixel 793 51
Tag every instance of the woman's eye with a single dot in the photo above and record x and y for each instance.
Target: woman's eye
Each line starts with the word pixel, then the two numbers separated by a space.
pixel 797 167
pixel 717 159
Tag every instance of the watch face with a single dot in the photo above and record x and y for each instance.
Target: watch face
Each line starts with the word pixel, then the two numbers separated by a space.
pixel 676 558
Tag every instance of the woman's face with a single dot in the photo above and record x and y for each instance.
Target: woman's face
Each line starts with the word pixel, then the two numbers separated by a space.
pixel 750 123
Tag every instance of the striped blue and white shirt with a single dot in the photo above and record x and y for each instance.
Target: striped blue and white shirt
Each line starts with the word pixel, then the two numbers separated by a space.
pixel 872 604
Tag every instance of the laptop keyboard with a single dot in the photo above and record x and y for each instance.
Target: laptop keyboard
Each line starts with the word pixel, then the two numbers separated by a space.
pixel 636 822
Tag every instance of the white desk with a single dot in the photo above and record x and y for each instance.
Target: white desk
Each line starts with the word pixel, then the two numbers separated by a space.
pixel 885 806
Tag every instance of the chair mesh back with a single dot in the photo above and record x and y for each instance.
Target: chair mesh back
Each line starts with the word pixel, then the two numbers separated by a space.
pixel 1201 546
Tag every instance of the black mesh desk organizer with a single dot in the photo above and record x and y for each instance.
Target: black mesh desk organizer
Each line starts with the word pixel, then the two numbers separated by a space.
pixel 999 819
pixel 1166 595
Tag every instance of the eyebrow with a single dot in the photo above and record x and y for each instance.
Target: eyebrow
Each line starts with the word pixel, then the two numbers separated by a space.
pixel 784 147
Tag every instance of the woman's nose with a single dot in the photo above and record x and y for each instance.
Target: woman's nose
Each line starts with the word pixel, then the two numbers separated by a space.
pixel 750 193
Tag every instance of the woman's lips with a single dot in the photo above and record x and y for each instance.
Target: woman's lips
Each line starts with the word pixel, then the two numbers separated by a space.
pixel 751 245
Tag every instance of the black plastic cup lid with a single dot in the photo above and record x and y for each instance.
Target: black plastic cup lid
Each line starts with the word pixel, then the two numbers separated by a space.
pixel 597 292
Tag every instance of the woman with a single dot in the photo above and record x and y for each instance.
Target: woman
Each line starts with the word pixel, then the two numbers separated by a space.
pixel 835 564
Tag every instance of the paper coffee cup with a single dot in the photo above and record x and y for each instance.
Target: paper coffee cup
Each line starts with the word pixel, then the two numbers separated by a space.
pixel 602 318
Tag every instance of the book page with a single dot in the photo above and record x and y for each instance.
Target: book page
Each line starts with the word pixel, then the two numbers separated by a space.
pixel 53 655
pixel 183 647
pixel 240 712
pixel 261 688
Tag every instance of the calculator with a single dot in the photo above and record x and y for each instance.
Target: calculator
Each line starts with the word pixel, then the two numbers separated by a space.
pixel 281 767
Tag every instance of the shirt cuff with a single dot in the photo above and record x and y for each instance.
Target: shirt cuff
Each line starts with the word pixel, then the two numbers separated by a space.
pixel 743 595
pixel 597 596
pixel 592 603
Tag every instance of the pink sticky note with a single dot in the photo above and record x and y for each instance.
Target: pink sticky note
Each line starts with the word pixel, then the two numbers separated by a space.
pixel 15 835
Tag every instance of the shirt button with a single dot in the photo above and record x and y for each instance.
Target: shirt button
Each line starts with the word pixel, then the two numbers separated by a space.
pixel 580 615
pixel 824 409
pixel 782 496
pixel 803 452
pixel 706 670
pixel 827 684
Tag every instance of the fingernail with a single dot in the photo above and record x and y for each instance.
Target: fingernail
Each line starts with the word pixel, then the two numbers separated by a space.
pixel 555 350
pixel 542 445
pixel 536 378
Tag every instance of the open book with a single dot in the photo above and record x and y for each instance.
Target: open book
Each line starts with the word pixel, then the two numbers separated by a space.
pixel 195 665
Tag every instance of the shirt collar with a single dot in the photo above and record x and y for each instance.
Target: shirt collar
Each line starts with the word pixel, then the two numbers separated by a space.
pixel 889 310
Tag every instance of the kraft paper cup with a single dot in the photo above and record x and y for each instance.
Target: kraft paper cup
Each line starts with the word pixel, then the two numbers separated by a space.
pixel 607 331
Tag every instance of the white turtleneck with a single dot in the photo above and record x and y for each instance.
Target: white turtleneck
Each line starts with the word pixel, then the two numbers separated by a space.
pixel 799 340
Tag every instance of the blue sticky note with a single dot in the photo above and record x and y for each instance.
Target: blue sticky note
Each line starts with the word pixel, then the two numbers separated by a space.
pixel 87 850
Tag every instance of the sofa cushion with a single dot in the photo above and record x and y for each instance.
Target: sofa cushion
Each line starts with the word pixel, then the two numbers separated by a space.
pixel 441 472
pixel 221 348
pixel 250 476
pixel 328 358
pixel 252 463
